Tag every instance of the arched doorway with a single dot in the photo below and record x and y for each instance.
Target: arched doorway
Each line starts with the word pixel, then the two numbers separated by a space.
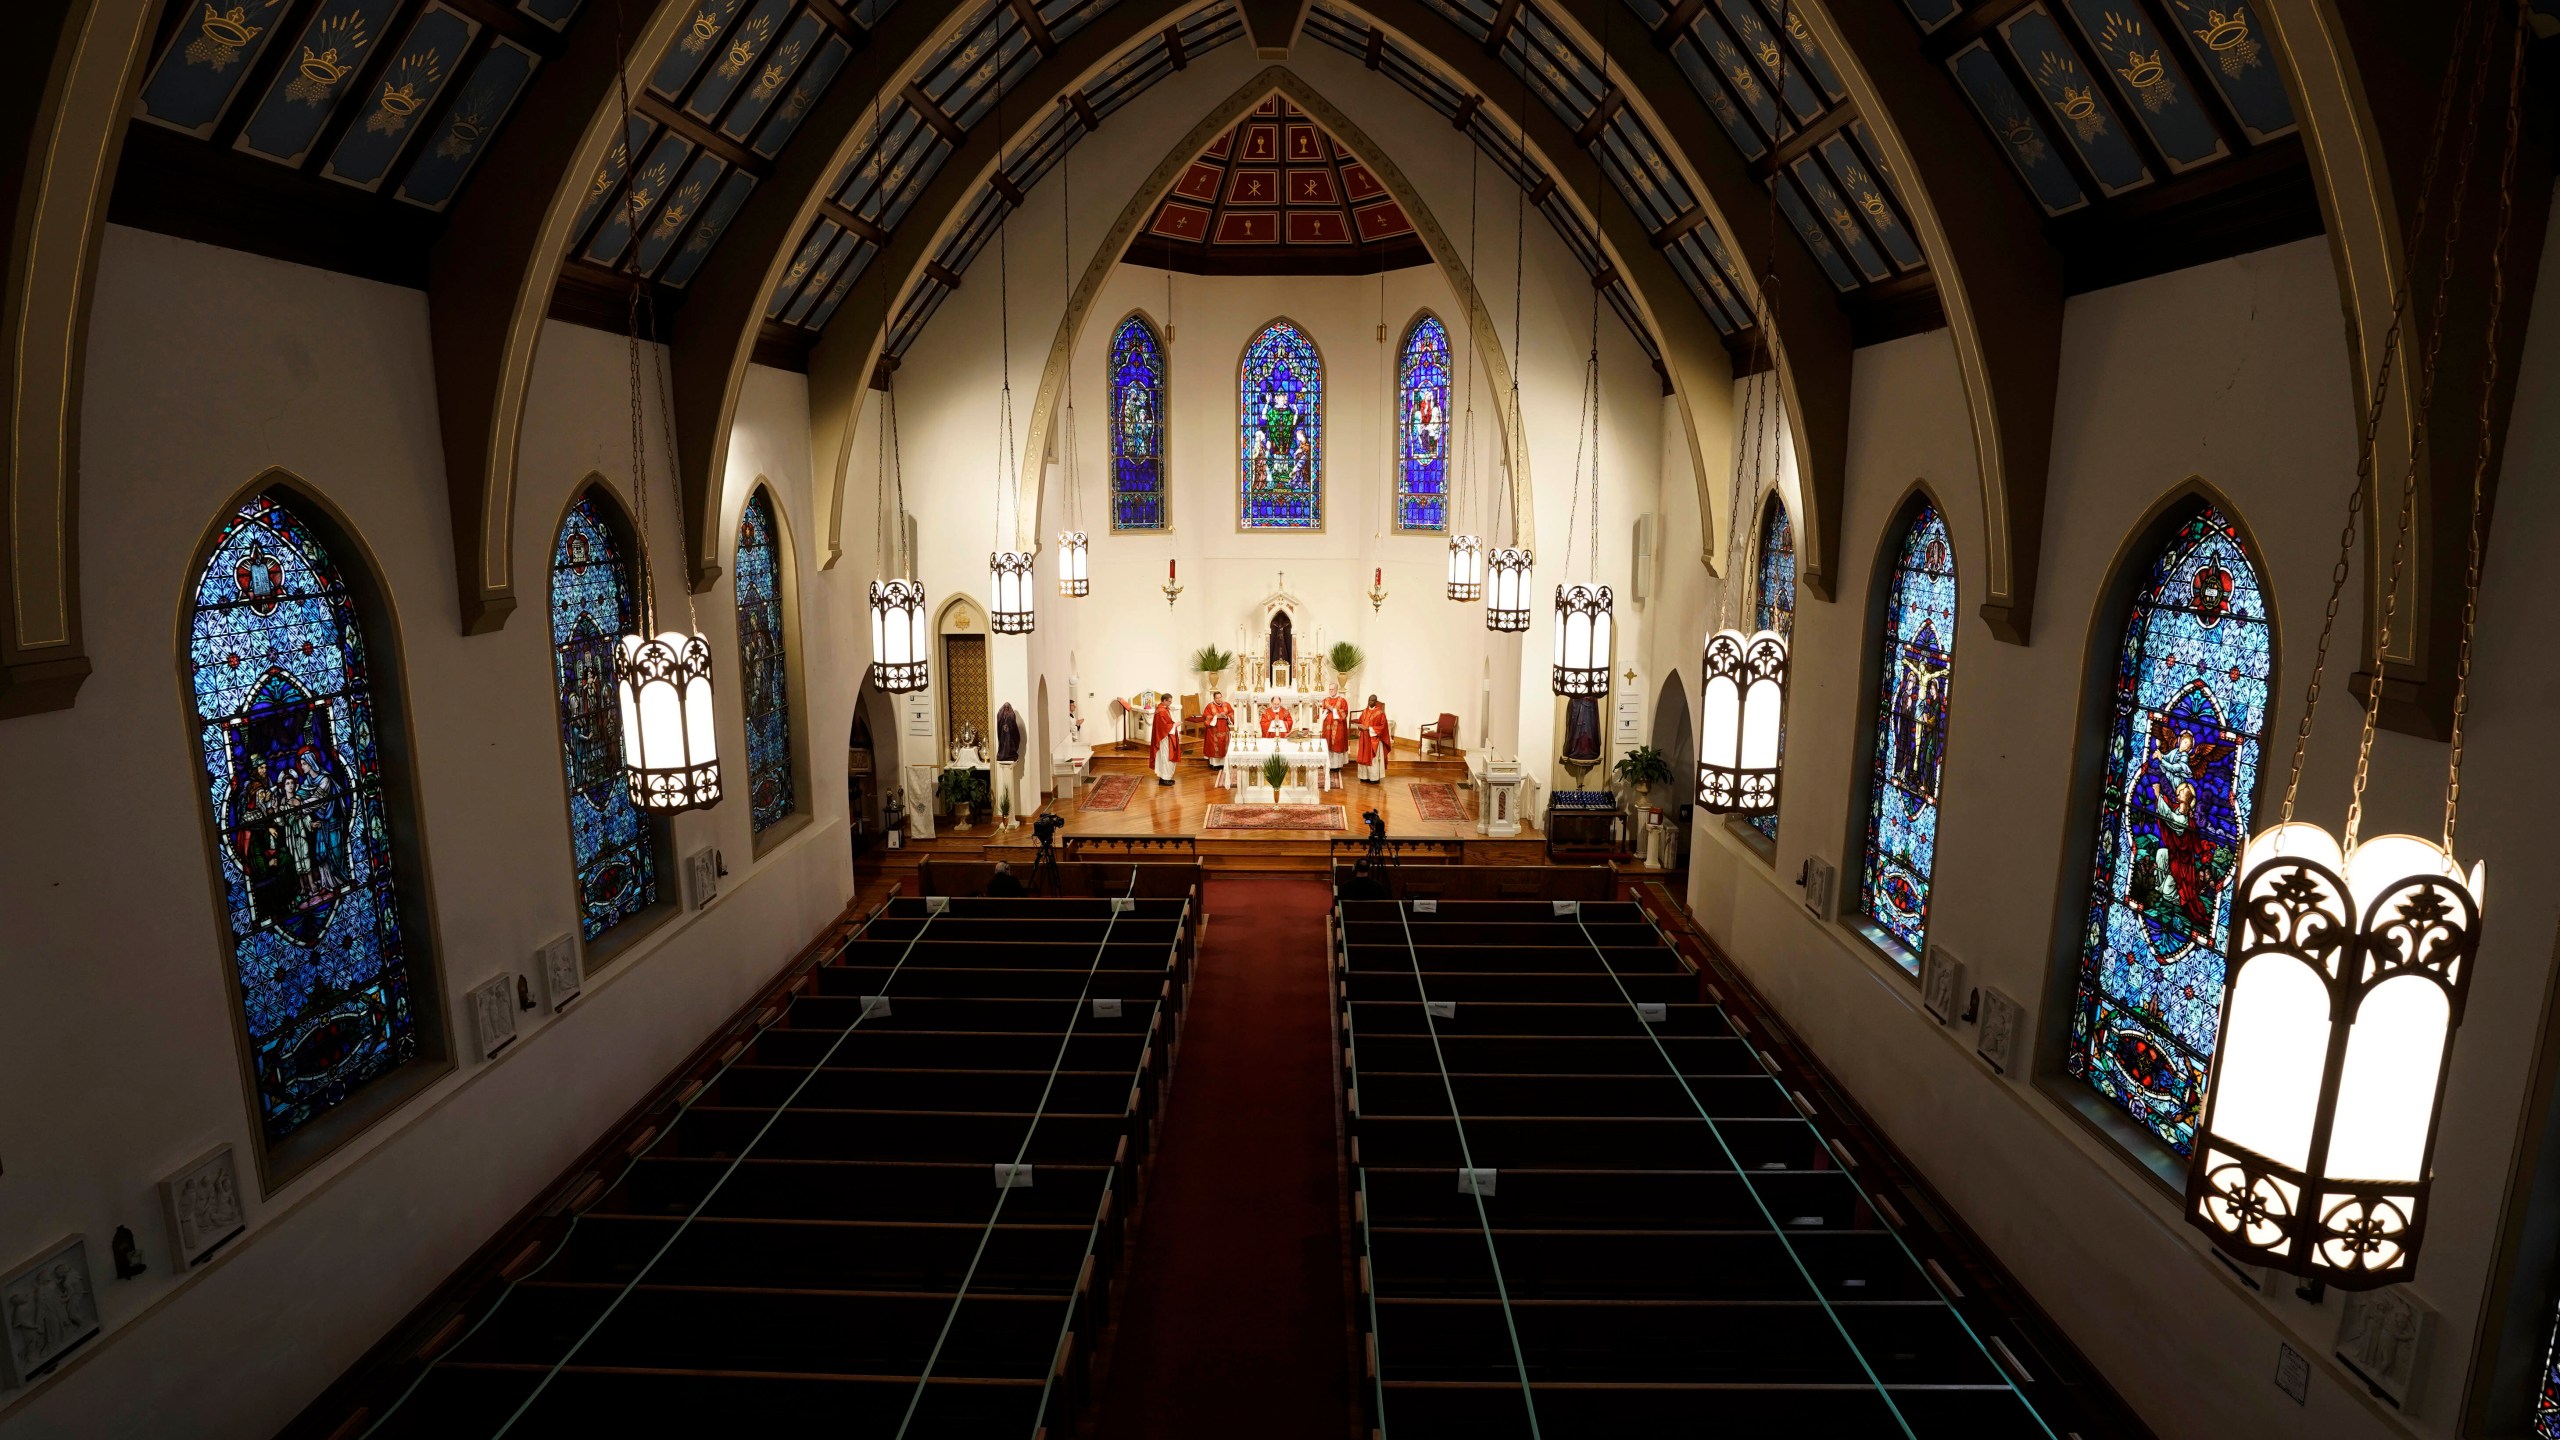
pixel 965 703
pixel 1676 737
pixel 868 764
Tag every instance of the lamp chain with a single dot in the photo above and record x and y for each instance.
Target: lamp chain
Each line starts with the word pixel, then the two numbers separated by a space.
pixel 1465 472
pixel 631 339
pixel 2417 438
pixel 1066 291
pixel 1006 468
pixel 1518 449
pixel 2488 436
pixel 2366 443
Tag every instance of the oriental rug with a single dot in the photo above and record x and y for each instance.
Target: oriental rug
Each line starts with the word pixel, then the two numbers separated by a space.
pixel 1277 817
pixel 1111 792
pixel 1435 800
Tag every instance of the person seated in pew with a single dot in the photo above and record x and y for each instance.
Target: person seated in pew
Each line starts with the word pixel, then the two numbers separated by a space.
pixel 1003 883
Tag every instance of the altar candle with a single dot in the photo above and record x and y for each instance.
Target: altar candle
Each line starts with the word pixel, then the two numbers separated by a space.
pixel 1378 576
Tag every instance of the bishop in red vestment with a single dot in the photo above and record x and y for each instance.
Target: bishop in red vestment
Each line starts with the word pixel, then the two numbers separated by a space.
pixel 1276 722
pixel 1217 727
pixel 1164 741
pixel 1375 741
pixel 1337 727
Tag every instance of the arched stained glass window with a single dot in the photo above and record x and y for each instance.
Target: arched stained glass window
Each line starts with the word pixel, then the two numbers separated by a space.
pixel 2189 717
pixel 1280 425
pixel 764 671
pixel 1422 427
pixel 595 602
pixel 289 730
pixel 1911 735
pixel 1773 607
pixel 1137 427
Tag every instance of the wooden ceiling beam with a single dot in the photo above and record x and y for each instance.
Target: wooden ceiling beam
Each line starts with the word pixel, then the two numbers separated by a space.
pixel 724 307
pixel 1035 27
pixel 1999 279
pixel 936 119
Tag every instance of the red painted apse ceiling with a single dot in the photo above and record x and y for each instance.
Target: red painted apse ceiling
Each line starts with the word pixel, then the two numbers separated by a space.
pixel 1277 195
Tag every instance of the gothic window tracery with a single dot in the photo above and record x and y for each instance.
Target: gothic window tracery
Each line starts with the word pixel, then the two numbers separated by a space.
pixel 764 670
pixel 595 602
pixel 1910 735
pixel 1280 431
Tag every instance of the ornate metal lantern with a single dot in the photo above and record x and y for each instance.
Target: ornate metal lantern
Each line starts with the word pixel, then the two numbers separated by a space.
pixel 900 654
pixel 670 753
pixel 1009 583
pixel 1466 568
pixel 1075 580
pixel 1506 593
pixel 2347 983
pixel 1584 616
pixel 1741 704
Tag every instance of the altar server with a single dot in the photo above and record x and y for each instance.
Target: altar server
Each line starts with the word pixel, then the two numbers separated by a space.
pixel 1337 728
pixel 1164 740
pixel 1217 728
pixel 1276 721
pixel 1375 741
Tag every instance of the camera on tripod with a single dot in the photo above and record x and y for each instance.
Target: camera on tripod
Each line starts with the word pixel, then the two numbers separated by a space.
pixel 1045 828
pixel 1377 833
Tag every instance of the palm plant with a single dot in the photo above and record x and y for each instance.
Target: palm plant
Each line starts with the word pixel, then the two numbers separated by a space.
pixel 1345 656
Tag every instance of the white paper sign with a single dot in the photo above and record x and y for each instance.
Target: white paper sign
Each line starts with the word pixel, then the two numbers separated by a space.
pixel 875 1005
pixel 1121 906
pixel 1013 1177
pixel 1476 1182
pixel 936 904
pixel 1568 907
pixel 1652 1012
pixel 1426 907
pixel 1106 1009
pixel 1440 1009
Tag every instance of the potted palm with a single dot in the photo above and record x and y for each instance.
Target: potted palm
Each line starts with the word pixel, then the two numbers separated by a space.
pixel 1345 657
pixel 1641 769
pixel 960 792
pixel 1211 662
pixel 1273 771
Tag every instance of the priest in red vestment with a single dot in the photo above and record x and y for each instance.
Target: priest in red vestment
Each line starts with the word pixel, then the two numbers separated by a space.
pixel 1375 741
pixel 1164 741
pixel 1276 721
pixel 1337 727
pixel 1217 727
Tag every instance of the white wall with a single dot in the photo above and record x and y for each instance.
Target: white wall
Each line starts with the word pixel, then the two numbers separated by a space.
pixel 207 367
pixel 2234 371
pixel 1425 653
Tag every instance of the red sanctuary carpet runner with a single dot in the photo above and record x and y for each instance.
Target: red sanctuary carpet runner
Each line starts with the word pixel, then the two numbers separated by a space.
pixel 1111 792
pixel 1235 1324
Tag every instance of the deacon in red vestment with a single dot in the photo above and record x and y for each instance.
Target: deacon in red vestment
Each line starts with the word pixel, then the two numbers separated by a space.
pixel 1375 741
pixel 1337 727
pixel 1217 727
pixel 1164 741
pixel 1276 721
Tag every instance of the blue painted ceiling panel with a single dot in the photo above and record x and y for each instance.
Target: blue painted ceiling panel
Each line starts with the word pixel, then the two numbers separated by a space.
pixel 2230 43
pixel 2152 83
pixel 317 72
pixel 2082 111
pixel 395 109
pixel 2015 129
pixel 479 107
pixel 200 72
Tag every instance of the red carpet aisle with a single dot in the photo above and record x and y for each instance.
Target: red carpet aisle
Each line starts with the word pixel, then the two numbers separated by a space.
pixel 1234 1322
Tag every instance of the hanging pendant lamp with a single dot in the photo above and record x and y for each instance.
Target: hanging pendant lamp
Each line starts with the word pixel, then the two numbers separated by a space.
pixel 1075 578
pixel 1742 697
pixel 1584 617
pixel 1506 590
pixel 1586 614
pixel 1466 551
pixel 1011 587
pixel 1466 568
pixel 662 678
pixel 1075 558
pixel 1508 569
pixel 2351 960
pixel 899 646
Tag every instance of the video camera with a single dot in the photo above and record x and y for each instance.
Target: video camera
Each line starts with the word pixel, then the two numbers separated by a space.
pixel 1377 832
pixel 1045 828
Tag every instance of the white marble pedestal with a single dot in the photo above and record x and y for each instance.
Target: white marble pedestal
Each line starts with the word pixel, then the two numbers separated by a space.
pixel 1498 786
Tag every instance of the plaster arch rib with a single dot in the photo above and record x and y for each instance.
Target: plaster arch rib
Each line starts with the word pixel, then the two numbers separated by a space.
pixel 1280 80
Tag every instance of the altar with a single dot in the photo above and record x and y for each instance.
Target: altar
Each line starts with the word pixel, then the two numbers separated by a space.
pixel 1310 764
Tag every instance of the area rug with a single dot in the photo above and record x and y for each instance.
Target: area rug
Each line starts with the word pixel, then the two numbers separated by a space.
pixel 1111 792
pixel 1277 817
pixel 1435 800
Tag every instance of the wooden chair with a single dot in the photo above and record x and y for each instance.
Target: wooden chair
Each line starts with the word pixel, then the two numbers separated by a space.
pixel 1191 717
pixel 1444 731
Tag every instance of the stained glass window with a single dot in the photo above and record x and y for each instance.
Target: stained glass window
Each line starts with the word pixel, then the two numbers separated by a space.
pixel 1280 424
pixel 1773 607
pixel 595 602
pixel 1911 735
pixel 1422 428
pixel 2189 716
pixel 285 716
pixel 2546 1405
pixel 763 667
pixel 1137 427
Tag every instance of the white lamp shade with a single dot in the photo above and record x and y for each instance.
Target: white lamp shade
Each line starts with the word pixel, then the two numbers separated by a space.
pixel 1742 704
pixel 900 649
pixel 1585 615
pixel 1075 579
pixel 1466 568
pixel 1009 583
pixel 670 751
pixel 1506 590
pixel 2348 979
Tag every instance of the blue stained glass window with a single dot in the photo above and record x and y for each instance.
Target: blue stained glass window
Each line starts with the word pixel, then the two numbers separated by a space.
pixel 1911 734
pixel 1280 425
pixel 2546 1405
pixel 1774 608
pixel 595 602
pixel 2183 743
pixel 1137 427
pixel 285 717
pixel 763 667
pixel 1422 428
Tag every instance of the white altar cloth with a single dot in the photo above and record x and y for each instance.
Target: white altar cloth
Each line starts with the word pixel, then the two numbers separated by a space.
pixel 1309 762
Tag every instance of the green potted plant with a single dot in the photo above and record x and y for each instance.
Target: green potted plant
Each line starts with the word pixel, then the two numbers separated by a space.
pixel 1643 768
pixel 1274 770
pixel 1345 657
pixel 1211 662
pixel 958 792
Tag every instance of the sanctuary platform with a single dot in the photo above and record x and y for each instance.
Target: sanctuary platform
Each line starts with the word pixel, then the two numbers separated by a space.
pixel 1185 819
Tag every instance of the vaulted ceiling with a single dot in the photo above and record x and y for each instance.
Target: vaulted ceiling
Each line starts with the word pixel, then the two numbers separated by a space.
pixel 1956 162
pixel 1275 195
